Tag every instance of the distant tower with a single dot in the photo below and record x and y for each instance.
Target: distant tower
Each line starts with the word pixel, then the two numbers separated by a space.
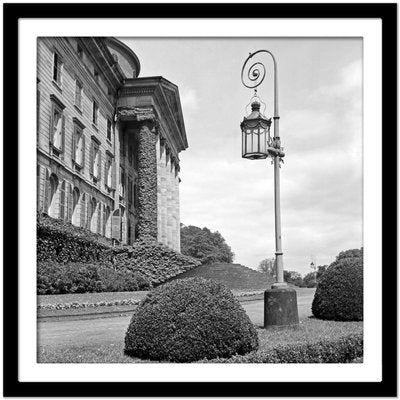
pixel 313 266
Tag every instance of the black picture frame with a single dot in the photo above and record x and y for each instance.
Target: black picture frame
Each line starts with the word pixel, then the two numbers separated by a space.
pixel 13 387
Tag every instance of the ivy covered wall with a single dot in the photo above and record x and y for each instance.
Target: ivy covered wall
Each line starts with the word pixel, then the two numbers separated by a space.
pixel 147 183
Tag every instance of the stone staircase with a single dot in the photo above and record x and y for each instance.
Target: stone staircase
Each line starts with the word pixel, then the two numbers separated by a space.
pixel 234 276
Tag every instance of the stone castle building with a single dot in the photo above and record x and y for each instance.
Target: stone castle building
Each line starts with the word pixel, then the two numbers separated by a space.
pixel 108 141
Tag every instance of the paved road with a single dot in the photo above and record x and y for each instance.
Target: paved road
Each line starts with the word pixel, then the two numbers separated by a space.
pixel 77 333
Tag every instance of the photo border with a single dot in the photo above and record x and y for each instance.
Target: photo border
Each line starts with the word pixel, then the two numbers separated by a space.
pixel 387 13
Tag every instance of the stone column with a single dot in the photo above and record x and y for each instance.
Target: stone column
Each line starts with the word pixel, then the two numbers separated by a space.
pixel 177 211
pixel 145 119
pixel 169 202
pixel 147 182
pixel 173 205
pixel 162 193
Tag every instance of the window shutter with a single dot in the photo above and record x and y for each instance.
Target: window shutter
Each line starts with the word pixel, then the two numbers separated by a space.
pixel 83 210
pixel 106 163
pixel 89 213
pixel 114 175
pixel 63 134
pixel 46 192
pixel 91 157
pixel 99 218
pixel 99 166
pixel 38 176
pixel 115 227
pixel 62 200
pixel 83 148
pixel 74 143
pixel 70 203
pixel 51 128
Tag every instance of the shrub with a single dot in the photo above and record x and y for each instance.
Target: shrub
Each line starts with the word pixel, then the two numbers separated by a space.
pixel 154 261
pixel 187 320
pixel 59 242
pixel 341 350
pixel 62 242
pixel 339 294
pixel 53 278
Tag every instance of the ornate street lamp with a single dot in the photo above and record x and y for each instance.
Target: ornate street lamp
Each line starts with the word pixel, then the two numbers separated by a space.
pixel 280 302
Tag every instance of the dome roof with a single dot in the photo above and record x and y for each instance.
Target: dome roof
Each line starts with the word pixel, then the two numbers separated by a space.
pixel 126 58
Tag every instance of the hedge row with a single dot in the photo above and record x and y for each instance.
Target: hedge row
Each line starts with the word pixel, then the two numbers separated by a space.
pixel 62 242
pixel 54 278
pixel 342 350
pixel 74 260
pixel 154 261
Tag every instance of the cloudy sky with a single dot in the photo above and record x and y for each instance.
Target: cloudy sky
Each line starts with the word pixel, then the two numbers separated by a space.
pixel 320 104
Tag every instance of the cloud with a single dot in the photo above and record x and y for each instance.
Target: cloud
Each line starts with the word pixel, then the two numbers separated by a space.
pixel 189 99
pixel 321 179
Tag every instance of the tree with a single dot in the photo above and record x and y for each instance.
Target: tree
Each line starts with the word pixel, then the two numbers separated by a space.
pixel 293 277
pixel 320 271
pixel 310 280
pixel 352 253
pixel 267 267
pixel 206 246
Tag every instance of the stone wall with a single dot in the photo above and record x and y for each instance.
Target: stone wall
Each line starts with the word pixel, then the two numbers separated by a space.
pixel 167 198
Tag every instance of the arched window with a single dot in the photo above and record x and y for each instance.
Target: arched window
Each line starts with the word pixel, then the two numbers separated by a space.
pixel 106 217
pixel 75 206
pixel 53 186
pixel 93 204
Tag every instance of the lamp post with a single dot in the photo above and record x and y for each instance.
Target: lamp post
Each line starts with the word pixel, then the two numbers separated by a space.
pixel 280 302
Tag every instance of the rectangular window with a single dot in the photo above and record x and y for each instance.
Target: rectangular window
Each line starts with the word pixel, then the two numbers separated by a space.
pixel 57 126
pixel 78 94
pixel 79 147
pixel 57 68
pixel 96 161
pixel 109 172
pixel 109 125
pixel 57 129
pixel 96 75
pixel 95 113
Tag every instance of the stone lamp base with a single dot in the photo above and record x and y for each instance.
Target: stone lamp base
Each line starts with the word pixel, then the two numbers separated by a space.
pixel 280 306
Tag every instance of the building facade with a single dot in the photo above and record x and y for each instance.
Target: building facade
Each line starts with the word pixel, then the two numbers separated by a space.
pixel 108 141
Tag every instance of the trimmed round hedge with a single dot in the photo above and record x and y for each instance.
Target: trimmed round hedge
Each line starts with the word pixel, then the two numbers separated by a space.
pixel 339 294
pixel 189 320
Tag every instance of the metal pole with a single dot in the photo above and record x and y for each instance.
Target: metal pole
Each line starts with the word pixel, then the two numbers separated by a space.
pixel 277 196
pixel 278 235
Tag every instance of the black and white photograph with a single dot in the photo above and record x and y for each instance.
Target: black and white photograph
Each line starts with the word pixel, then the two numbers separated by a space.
pixel 196 199
pixel 183 214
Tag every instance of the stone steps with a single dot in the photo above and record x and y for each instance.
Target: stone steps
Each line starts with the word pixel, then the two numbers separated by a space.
pixel 234 276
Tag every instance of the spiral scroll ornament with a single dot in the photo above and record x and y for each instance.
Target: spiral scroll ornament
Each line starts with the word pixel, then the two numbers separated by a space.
pixel 252 74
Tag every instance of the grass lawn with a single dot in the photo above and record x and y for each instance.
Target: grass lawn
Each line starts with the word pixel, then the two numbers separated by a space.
pixel 107 345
